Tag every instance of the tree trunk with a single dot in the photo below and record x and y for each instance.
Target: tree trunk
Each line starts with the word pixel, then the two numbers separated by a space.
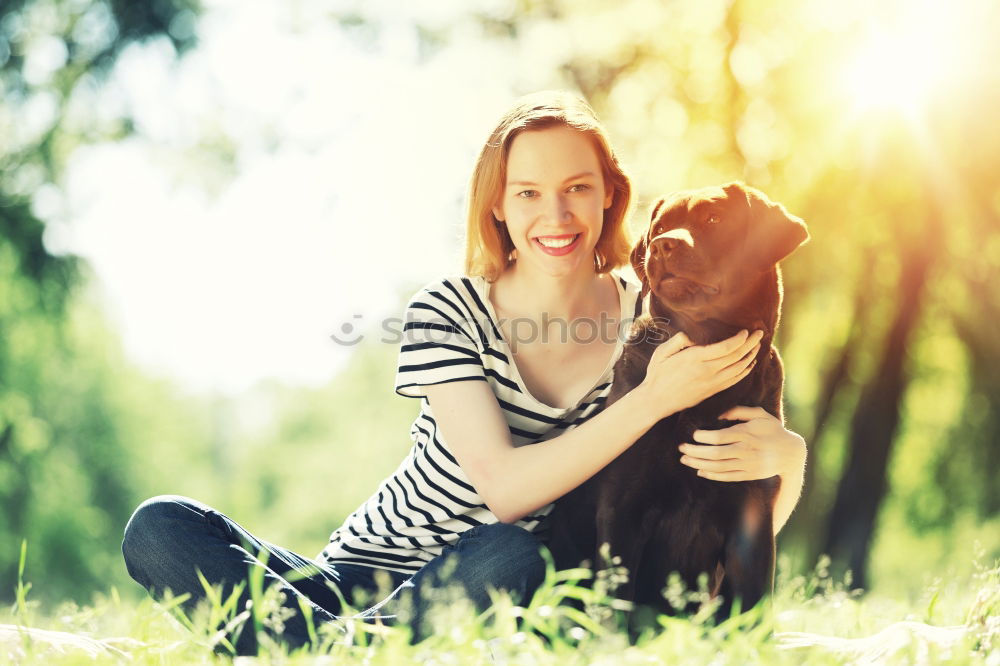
pixel 975 457
pixel 807 530
pixel 873 429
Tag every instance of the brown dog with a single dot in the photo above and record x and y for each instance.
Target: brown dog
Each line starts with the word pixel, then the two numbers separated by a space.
pixel 709 264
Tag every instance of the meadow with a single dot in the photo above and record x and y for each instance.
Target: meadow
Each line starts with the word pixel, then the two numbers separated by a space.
pixel 812 619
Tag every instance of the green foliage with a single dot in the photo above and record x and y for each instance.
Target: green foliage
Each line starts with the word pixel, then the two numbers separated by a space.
pixel 65 473
pixel 22 588
pixel 67 461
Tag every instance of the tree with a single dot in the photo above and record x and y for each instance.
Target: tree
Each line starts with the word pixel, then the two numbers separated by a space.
pixel 64 486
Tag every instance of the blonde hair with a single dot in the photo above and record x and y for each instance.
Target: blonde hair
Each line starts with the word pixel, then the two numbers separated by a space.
pixel 488 245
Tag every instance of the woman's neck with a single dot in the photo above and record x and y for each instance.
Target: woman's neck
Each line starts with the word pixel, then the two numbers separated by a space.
pixel 567 297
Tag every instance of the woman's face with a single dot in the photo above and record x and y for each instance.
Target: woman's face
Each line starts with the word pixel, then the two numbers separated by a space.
pixel 554 199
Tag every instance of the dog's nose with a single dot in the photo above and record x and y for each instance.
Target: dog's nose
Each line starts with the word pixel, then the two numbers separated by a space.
pixel 669 240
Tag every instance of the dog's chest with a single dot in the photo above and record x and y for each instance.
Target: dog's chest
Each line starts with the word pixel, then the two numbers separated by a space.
pixel 649 477
pixel 662 479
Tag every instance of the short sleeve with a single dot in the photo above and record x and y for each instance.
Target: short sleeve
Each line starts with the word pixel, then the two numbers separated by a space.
pixel 438 342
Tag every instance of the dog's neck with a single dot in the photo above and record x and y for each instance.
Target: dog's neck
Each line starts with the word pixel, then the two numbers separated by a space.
pixel 760 315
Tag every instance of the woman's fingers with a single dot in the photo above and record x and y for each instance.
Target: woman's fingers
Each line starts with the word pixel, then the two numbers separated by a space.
pixel 715 438
pixel 743 373
pixel 674 344
pixel 752 342
pixel 738 475
pixel 688 375
pixel 725 465
pixel 725 347
pixel 735 366
pixel 736 373
pixel 734 362
pixel 745 413
pixel 743 361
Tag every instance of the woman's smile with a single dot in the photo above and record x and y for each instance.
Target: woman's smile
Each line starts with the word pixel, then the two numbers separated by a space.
pixel 557 246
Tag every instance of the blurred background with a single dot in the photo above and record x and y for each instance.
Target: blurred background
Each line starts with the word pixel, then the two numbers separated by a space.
pixel 195 197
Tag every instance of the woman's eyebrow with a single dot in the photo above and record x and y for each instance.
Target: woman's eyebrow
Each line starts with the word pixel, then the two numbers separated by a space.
pixel 528 182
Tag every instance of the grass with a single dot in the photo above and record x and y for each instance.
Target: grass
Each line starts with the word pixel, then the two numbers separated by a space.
pixel 817 613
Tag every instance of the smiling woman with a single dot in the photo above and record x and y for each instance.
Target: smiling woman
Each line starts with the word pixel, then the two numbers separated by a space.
pixel 508 183
pixel 546 213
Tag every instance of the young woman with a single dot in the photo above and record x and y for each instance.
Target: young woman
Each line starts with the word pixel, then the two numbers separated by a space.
pixel 512 363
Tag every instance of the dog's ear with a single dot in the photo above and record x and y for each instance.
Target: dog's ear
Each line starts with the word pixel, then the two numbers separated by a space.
pixel 657 207
pixel 737 191
pixel 638 256
pixel 774 233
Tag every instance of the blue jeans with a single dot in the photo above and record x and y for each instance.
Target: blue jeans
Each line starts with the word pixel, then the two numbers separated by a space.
pixel 170 537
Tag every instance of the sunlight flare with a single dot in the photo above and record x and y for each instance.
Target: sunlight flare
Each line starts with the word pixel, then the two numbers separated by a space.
pixel 903 62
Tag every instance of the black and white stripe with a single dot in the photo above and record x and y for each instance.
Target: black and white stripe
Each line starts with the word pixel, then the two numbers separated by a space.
pixel 450 334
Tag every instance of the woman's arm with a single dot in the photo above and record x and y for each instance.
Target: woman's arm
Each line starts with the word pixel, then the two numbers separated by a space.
pixel 514 482
pixel 788 495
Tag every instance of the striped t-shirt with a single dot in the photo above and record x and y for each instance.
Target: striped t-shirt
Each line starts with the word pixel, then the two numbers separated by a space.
pixel 451 333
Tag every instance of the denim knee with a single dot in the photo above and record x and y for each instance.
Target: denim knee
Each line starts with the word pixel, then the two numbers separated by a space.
pixel 514 553
pixel 515 541
pixel 148 530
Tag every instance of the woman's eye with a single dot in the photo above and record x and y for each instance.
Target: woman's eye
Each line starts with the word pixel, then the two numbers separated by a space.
pixel 579 187
pixel 527 194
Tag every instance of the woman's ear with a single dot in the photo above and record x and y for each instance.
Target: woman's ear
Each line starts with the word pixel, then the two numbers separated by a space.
pixel 609 198
pixel 498 213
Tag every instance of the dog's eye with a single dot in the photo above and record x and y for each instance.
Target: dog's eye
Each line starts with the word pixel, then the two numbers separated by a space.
pixel 713 219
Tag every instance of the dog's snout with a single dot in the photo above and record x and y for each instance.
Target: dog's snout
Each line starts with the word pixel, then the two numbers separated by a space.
pixel 670 240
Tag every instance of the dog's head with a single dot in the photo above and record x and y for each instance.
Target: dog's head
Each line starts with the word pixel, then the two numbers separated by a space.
pixel 707 251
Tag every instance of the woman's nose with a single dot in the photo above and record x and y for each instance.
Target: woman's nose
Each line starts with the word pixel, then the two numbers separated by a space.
pixel 558 210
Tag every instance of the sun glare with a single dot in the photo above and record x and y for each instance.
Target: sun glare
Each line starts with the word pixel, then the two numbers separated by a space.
pixel 900 65
pixel 896 73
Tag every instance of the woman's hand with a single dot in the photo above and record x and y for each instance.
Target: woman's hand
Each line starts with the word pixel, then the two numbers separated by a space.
pixel 758 448
pixel 681 374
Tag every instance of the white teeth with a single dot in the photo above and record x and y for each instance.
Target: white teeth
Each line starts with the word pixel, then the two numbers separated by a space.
pixel 556 242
